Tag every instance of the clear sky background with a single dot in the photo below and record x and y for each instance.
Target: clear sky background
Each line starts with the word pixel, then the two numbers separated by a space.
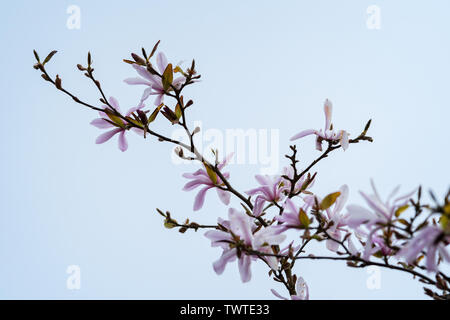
pixel 66 201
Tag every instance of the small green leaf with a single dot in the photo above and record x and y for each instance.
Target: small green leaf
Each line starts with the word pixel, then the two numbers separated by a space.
pixel 155 113
pixel 170 223
pixel 178 112
pixel 167 77
pixel 212 175
pixel 50 55
pixel 115 119
pixel 400 210
pixel 329 200
pixel 36 55
pixel 303 218
pixel 444 221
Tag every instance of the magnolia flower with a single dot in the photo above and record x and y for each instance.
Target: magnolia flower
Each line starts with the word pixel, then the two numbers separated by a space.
pixel 290 217
pixel 242 226
pixel 302 291
pixel 258 207
pixel 271 188
pixel 202 177
pixel 334 214
pixel 106 122
pixel 289 172
pixel 381 213
pixel 328 134
pixel 431 238
pixel 154 82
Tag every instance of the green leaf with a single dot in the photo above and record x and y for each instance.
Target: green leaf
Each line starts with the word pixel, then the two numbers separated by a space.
pixel 303 218
pixel 167 77
pixel 115 119
pixel 212 175
pixel 50 55
pixel 329 200
pixel 36 55
pixel 155 113
pixel 401 209
pixel 169 223
pixel 178 112
pixel 444 221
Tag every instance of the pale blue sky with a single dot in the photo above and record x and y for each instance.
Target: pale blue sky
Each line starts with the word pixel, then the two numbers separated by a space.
pixel 65 200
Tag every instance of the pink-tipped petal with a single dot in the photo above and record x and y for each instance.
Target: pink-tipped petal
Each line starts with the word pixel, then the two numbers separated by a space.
pixel 161 61
pixel 107 135
pixel 345 140
pixel 113 102
pixel 259 206
pixel 159 99
pixel 146 94
pixel 224 196
pixel 200 198
pixel 276 294
pixel 137 81
pixel 244 264
pixel 101 123
pixel 328 108
pixel 143 72
pixel 123 144
pixel 303 133
pixel 226 257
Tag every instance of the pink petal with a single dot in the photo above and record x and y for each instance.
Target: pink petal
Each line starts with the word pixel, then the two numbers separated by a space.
pixel 123 144
pixel 161 61
pixel 137 81
pixel 344 140
pixel 224 196
pixel 113 101
pixel 276 294
pixel 146 94
pixel 431 258
pixel 328 108
pixel 143 72
pixel 107 135
pixel 200 198
pixel 226 257
pixel 159 99
pixel 191 185
pixel 244 268
pixel 259 206
pixel 101 123
pixel 302 134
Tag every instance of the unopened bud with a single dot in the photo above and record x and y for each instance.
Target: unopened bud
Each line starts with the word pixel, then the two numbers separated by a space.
pixel 58 82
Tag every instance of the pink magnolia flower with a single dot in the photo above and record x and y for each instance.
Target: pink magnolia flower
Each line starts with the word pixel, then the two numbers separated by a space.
pixel 154 82
pixel 431 239
pixel 302 291
pixel 271 189
pixel 242 226
pixel 105 122
pixel 202 178
pixel 382 211
pixel 289 172
pixel 289 218
pixel 334 213
pixel 328 134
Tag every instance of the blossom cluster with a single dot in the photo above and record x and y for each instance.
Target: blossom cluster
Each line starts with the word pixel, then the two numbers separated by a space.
pixel 397 232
